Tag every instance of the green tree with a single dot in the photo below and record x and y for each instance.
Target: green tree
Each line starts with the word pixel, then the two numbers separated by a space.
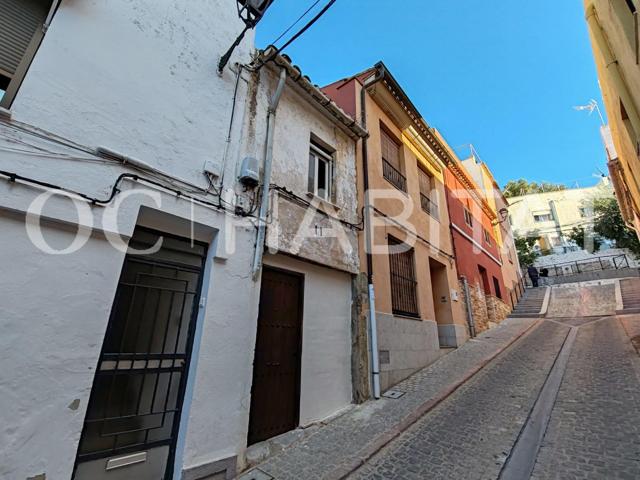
pixel 516 188
pixel 526 253
pixel 609 224
pixel 585 239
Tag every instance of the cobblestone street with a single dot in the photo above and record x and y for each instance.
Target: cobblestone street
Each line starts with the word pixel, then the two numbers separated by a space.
pixel 590 427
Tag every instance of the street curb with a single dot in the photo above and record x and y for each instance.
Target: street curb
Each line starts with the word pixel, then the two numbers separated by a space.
pixel 383 440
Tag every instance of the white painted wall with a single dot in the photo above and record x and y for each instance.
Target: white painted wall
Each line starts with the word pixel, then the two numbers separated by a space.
pixel 326 339
pixel 296 120
pixel 138 77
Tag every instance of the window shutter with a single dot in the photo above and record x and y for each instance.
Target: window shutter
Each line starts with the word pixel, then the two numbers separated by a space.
pixel 19 21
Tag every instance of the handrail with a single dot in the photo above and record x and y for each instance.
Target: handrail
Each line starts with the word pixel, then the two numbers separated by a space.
pixel 394 176
pixel 429 206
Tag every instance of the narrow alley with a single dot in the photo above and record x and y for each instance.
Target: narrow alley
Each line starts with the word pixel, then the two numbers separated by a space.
pixel 561 401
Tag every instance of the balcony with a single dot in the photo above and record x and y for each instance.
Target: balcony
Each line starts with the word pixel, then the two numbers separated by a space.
pixel 429 206
pixel 394 176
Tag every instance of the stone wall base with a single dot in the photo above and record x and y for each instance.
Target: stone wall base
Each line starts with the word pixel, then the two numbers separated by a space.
pixel 488 311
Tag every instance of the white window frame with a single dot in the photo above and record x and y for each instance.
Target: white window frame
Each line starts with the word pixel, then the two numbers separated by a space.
pixel 319 154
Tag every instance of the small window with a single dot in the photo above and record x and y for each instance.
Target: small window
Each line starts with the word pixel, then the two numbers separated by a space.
pixel 21 30
pixel 428 193
pixel 487 236
pixel 404 286
pixel 543 217
pixel 468 219
pixel 496 287
pixel 392 161
pixel 320 172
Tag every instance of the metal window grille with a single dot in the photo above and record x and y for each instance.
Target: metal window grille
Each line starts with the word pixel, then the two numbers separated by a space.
pixel 394 176
pixel 139 384
pixel 404 286
pixel 429 206
pixel 426 188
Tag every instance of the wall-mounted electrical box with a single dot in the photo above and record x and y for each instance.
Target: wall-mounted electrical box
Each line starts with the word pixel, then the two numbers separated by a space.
pixel 249 172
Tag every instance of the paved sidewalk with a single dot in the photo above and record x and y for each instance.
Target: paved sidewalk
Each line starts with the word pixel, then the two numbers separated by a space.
pixel 344 444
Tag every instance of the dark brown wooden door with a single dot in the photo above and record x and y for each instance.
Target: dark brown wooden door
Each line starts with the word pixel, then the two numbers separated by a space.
pixel 275 394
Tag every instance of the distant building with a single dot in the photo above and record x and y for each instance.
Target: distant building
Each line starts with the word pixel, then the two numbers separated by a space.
pixel 552 216
pixel 613 26
pixel 476 246
pixel 491 191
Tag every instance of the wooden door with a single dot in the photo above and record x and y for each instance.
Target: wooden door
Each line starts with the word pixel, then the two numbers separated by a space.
pixel 275 394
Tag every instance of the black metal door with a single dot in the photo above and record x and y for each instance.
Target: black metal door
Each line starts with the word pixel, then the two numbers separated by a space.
pixel 275 393
pixel 133 414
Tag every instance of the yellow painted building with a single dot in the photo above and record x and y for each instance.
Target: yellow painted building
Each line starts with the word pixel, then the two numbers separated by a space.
pixel 615 37
pixel 551 216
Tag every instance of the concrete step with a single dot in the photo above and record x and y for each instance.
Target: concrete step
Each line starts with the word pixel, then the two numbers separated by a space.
pixel 524 315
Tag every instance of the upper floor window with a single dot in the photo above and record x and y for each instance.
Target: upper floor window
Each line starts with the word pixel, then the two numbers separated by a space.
pixel 392 161
pixel 487 236
pixel 468 219
pixel 321 171
pixel 428 193
pixel 543 217
pixel 21 31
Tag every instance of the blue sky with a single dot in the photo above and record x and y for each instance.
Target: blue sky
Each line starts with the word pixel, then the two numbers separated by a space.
pixel 492 73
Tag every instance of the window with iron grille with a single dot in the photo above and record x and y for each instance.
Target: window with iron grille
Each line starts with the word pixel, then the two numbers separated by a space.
pixel 404 286
pixel 428 193
pixel 21 30
pixel 392 161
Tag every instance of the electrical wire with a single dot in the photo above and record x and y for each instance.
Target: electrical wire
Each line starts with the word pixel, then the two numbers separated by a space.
pixel 13 177
pixel 290 195
pixel 297 35
pixel 296 22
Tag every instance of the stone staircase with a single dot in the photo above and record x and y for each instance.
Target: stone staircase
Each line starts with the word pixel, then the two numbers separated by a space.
pixel 630 290
pixel 530 304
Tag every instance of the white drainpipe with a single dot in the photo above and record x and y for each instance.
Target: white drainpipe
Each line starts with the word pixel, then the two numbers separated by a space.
pixel 266 182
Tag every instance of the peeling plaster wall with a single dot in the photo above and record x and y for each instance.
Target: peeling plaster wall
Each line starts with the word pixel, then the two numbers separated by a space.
pixel 137 77
pixel 296 121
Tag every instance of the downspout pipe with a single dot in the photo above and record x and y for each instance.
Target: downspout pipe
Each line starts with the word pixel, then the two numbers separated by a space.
pixel 266 175
pixel 373 324
pixel 467 298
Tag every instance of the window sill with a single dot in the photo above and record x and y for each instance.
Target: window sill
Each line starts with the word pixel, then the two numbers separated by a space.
pixel 322 202
pixel 5 113
pixel 406 316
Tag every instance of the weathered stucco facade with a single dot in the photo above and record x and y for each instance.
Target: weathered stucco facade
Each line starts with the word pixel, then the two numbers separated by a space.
pixel 162 115
pixel 407 341
pixel 613 31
